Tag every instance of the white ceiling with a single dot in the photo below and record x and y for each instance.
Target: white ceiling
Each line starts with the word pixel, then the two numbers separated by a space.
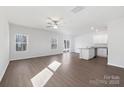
pixel 73 23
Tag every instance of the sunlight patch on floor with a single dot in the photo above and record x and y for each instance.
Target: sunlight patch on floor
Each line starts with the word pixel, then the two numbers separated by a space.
pixel 54 66
pixel 42 77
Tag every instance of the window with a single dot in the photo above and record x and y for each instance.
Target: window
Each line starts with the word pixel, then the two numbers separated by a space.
pixel 21 42
pixel 66 44
pixel 53 43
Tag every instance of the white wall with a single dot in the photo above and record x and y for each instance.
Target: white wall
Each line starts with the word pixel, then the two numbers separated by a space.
pixel 116 43
pixel 83 41
pixel 4 45
pixel 38 42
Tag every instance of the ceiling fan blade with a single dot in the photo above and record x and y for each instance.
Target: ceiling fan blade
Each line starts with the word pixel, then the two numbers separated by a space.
pixel 55 20
pixel 50 19
pixel 50 23
pixel 59 21
pixel 49 26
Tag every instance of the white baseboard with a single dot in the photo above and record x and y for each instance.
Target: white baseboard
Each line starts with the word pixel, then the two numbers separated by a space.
pixel 12 59
pixel 120 66
pixel 4 70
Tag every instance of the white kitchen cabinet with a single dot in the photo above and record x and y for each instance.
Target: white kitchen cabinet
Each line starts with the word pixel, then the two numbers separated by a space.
pixel 87 53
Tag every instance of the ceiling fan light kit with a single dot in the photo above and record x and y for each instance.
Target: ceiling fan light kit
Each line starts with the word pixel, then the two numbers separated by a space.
pixel 55 27
pixel 54 22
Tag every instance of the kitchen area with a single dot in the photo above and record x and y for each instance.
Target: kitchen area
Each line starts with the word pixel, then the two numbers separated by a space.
pixel 88 53
pixel 93 45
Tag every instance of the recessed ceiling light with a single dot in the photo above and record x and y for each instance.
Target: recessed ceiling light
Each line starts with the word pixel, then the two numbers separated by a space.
pixel 55 27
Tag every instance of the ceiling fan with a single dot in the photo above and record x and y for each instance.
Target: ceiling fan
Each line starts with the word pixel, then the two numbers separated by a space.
pixel 53 22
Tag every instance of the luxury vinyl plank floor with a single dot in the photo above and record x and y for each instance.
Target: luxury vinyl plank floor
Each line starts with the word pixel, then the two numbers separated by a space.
pixel 73 72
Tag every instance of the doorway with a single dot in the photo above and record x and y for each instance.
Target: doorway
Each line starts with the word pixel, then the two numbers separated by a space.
pixel 66 46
